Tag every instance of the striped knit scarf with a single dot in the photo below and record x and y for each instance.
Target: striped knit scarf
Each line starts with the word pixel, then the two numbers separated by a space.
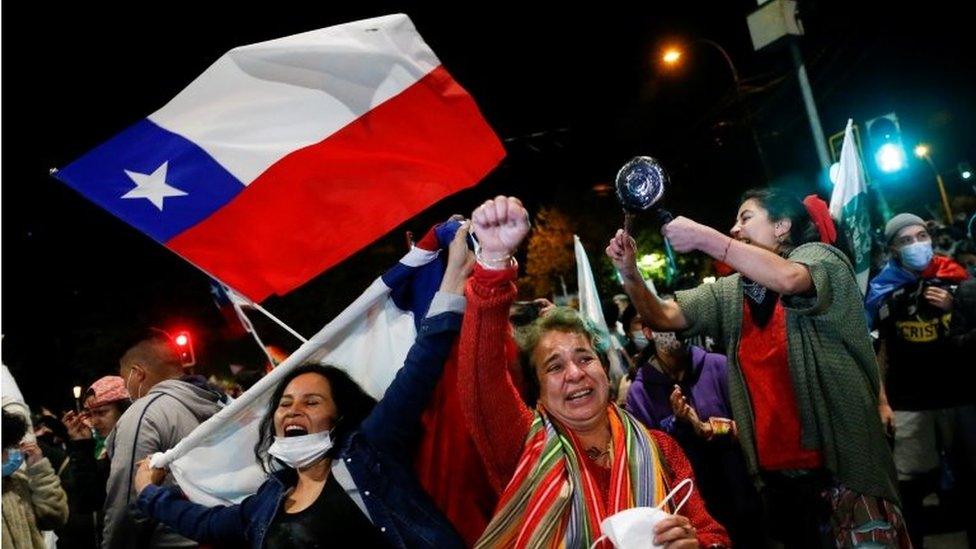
pixel 553 500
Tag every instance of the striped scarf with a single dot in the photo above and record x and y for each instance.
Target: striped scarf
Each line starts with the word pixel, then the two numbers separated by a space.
pixel 553 500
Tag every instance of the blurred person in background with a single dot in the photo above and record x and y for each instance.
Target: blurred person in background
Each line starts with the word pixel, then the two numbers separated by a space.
pixel 32 496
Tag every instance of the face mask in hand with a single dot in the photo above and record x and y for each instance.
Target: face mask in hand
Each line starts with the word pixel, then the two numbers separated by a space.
pixel 302 451
pixel 634 528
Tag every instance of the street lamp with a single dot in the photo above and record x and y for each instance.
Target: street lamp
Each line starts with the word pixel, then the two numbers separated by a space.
pixel 672 56
pixel 922 151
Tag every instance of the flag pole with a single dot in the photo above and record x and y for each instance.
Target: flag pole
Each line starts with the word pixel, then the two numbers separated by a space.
pixel 244 320
pixel 264 349
pixel 275 319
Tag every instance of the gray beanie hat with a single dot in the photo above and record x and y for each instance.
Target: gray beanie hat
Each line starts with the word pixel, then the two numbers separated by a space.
pixel 899 222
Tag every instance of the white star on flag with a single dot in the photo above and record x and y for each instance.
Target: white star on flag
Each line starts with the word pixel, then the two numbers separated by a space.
pixel 152 187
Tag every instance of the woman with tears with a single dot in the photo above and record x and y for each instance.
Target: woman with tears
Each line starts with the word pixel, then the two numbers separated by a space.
pixel 567 463
pixel 341 470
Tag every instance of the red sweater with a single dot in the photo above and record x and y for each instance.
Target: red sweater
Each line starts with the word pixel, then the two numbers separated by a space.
pixel 765 365
pixel 499 419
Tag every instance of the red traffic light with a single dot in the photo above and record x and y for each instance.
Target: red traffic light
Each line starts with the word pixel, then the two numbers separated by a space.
pixel 184 346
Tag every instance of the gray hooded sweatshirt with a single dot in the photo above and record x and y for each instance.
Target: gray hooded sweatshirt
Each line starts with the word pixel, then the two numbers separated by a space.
pixel 154 423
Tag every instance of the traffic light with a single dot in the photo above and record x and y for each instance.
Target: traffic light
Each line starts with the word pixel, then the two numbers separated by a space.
pixel 884 136
pixel 184 346
pixel 965 171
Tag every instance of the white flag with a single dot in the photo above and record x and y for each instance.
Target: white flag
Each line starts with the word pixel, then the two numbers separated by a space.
pixel 589 303
pixel 849 207
pixel 215 464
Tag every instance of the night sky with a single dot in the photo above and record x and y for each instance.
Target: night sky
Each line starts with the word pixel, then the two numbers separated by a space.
pixel 573 92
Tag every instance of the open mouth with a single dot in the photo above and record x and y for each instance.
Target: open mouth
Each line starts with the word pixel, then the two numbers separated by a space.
pixel 581 394
pixel 295 431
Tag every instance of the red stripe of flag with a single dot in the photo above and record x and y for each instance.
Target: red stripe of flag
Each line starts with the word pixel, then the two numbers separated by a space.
pixel 320 204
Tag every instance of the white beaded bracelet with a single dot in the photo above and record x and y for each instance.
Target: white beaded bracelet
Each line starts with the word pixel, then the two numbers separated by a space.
pixel 495 264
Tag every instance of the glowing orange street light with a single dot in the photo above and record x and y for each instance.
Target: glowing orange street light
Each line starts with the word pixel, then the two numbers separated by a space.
pixel 671 56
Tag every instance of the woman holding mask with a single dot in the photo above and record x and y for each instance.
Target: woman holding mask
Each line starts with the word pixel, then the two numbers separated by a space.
pixel 567 460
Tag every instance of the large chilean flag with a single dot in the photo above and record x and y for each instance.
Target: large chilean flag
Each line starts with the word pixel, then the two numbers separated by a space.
pixel 285 157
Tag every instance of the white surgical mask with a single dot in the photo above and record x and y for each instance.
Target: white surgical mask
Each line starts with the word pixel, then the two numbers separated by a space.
pixel 634 528
pixel 916 256
pixel 639 339
pixel 302 451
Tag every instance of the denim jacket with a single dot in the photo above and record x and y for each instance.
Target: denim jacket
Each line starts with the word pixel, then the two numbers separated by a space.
pixel 378 456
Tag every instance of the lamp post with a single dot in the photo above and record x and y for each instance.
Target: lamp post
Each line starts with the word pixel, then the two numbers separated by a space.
pixel 672 56
pixel 922 151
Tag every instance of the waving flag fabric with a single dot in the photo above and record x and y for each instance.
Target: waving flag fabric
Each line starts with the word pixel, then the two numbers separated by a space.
pixel 849 207
pixel 285 157
pixel 369 339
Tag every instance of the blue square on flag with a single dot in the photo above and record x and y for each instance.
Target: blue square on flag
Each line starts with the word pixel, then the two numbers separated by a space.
pixel 153 179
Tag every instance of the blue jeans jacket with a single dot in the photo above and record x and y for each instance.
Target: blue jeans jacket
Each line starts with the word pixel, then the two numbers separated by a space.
pixel 378 457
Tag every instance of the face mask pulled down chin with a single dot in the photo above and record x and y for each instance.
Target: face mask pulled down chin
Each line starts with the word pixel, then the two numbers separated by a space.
pixel 916 256
pixel 302 451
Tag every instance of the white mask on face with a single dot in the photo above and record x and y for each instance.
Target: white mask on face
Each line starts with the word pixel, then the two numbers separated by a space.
pixel 301 451
pixel 917 255
pixel 634 528
pixel 639 339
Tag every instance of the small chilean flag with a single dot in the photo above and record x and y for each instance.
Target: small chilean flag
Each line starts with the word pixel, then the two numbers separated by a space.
pixel 286 157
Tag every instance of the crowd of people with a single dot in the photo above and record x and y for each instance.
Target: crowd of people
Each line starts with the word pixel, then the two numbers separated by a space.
pixel 776 406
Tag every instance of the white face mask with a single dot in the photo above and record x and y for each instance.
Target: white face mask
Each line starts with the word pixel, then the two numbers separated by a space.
pixel 302 451
pixel 916 256
pixel 639 339
pixel 634 528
